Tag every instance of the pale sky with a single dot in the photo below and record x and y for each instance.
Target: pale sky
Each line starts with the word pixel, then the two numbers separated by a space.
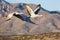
pixel 50 5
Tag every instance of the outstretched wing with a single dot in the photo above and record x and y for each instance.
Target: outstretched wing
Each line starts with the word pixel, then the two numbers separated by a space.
pixel 37 9
pixel 13 14
pixel 31 12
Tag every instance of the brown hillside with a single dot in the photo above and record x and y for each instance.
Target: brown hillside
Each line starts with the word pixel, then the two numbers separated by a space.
pixel 47 23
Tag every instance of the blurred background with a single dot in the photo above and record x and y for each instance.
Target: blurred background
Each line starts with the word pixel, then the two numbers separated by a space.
pixel 50 5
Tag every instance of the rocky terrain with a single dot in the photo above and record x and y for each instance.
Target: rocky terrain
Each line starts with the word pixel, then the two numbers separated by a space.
pixel 44 36
pixel 49 22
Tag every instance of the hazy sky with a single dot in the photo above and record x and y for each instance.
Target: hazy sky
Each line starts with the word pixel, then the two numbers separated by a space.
pixel 47 4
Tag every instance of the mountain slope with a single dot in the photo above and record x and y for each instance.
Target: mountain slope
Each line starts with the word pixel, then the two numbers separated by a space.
pixel 47 23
